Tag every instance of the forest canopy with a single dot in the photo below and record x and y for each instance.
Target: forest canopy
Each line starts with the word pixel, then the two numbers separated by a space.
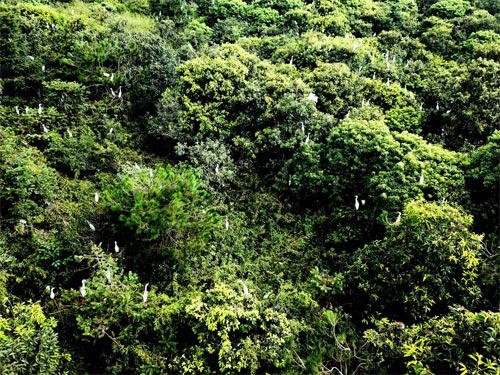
pixel 250 187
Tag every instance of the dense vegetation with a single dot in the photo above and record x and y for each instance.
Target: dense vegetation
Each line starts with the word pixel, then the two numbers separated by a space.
pixel 301 187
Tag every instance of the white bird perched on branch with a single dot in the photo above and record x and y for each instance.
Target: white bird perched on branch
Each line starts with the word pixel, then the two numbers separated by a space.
pixel 69 133
pixel 45 130
pixel 17 110
pixel 83 291
pixel 227 223
pixel 145 294
pixel 421 180
pixel 117 249
pixel 91 225
pixel 356 202
pixel 398 219
pixel 312 97
pixel 51 290
pixel 245 288
pixel 96 197
pixel 39 109
pixel 108 275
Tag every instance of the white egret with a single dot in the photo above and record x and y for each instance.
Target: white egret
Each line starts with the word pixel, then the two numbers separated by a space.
pixel 289 179
pixel 303 128
pixel 52 294
pixel 45 130
pixel 291 61
pixel 217 169
pixel 421 106
pixel 363 202
pixel 31 57
pixel 17 110
pixel 69 133
pixel 111 130
pixel 112 77
pixel 108 275
pixel 437 106
pixel 26 109
pixel 374 75
pixel 355 46
pixel 96 197
pixel 421 180
pixel 112 92
pixel 145 294
pixel 39 109
pixel 91 226
pixel 117 249
pixel 312 97
pixel 120 93
pixel 43 68
pixel 245 288
pixel 356 202
pixel 398 219
pixel 105 74
pixel 83 291
pixel 266 296
pixel 307 138
pixel 227 223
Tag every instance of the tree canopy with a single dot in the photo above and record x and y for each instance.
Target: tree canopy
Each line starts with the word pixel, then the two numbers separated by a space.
pixel 249 187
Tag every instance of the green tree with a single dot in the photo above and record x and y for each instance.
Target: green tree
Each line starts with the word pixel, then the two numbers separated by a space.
pixel 28 341
pixel 165 207
pixel 460 340
pixel 428 260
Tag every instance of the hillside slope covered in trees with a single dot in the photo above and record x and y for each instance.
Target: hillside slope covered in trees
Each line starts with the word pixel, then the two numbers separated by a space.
pixel 250 187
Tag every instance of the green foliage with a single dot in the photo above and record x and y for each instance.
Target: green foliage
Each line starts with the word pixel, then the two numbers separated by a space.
pixel 242 331
pixel 259 256
pixel 164 206
pixel 28 341
pixel 27 182
pixel 415 272
pixel 450 8
pixel 460 340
